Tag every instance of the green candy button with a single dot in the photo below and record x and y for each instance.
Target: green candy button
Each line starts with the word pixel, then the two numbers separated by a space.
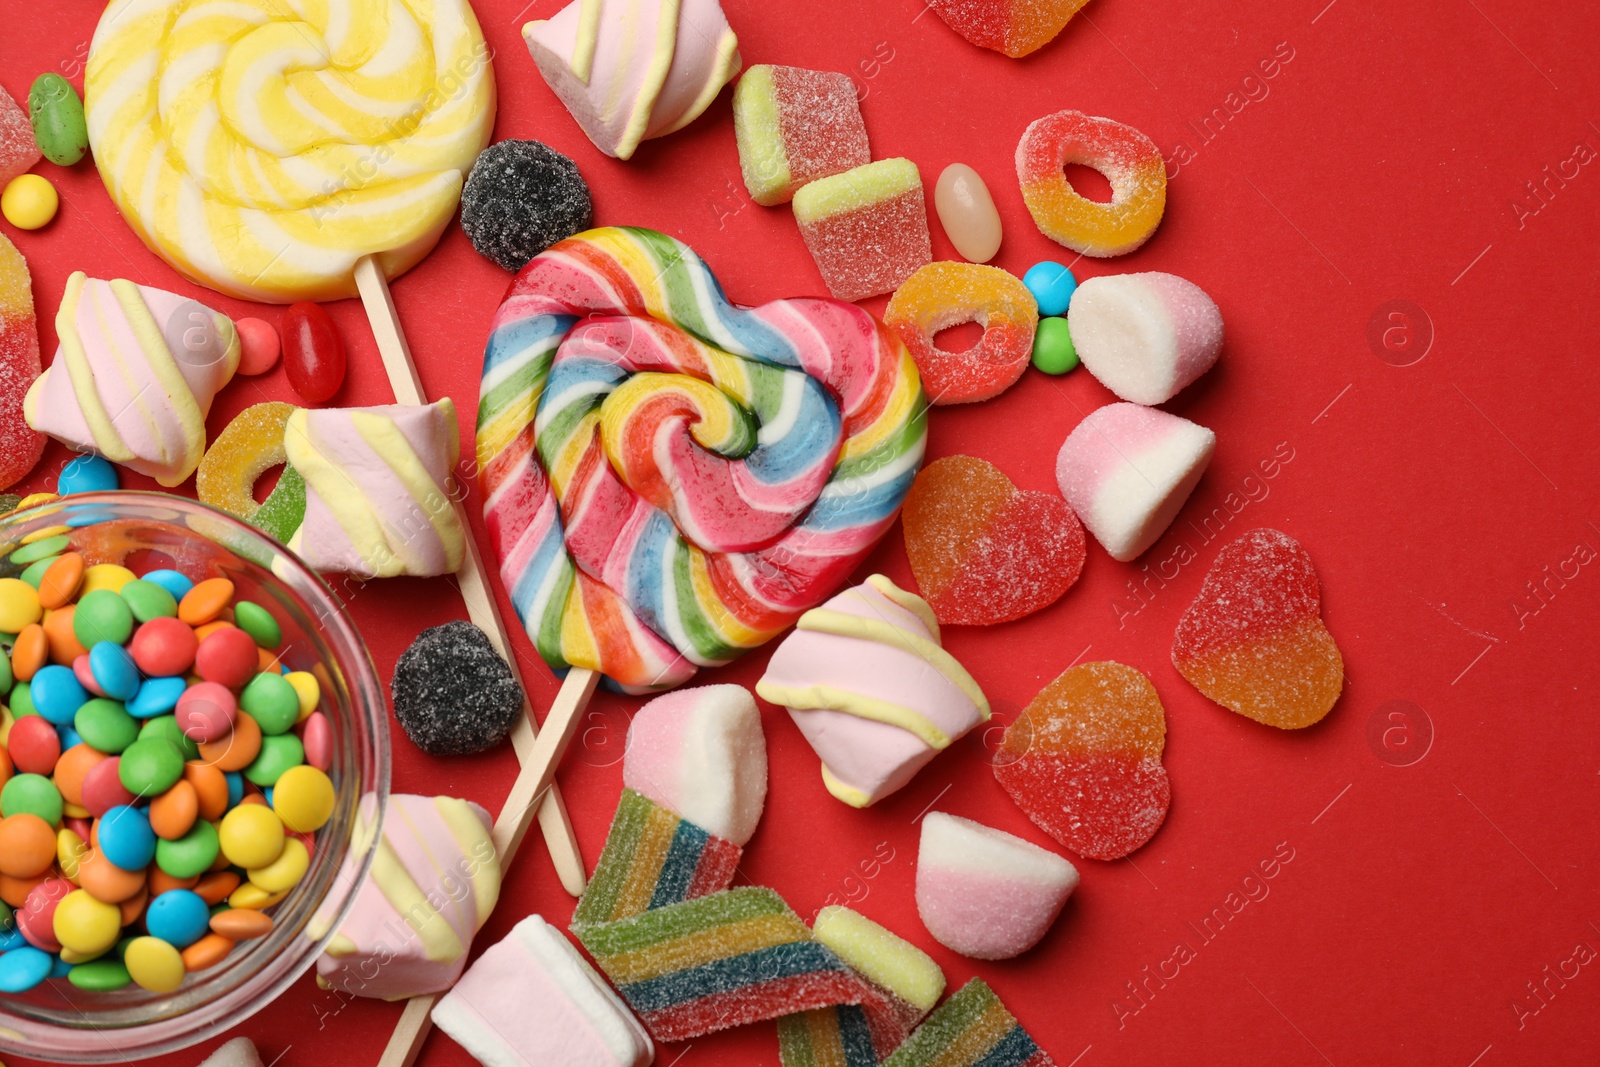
pixel 106 726
pixel 166 727
pixel 35 572
pixel 258 622
pixel 7 680
pixel 190 855
pixel 278 754
pixel 271 702
pixel 147 601
pixel 150 766
pixel 34 794
pixel 102 616
pixel 100 976
pixel 1053 351
pixel 37 550
pixel 21 700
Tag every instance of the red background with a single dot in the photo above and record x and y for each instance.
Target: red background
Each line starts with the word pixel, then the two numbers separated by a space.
pixel 1381 164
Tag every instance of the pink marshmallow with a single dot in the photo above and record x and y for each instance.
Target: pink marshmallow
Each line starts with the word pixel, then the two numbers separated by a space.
pixel 1127 470
pixel 984 893
pixel 700 753
pixel 1145 336
pixel 865 679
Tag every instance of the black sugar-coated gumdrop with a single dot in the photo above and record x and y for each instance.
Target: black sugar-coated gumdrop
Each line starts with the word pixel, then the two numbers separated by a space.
pixel 521 197
pixel 453 694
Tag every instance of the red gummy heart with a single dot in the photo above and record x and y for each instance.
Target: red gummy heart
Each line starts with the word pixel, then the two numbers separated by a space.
pixel 1083 760
pixel 984 552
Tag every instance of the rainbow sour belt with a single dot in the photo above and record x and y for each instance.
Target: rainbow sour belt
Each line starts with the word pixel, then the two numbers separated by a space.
pixel 263 147
pixel 671 480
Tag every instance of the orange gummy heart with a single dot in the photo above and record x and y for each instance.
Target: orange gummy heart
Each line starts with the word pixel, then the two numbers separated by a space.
pixel 1083 760
pixel 1254 640
pixel 983 551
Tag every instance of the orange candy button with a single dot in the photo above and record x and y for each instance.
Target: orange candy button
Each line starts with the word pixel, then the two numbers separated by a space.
pixel 162 882
pixel 237 749
pixel 174 812
pixel 65 647
pixel 106 881
pixel 31 652
pixel 72 768
pixel 210 787
pixel 205 601
pixel 241 924
pixel 27 846
pixel 61 581
pixel 14 891
pixel 209 951
pixel 216 887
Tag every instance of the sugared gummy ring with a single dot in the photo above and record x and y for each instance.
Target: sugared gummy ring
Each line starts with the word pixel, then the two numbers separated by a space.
pixel 1130 161
pixel 942 295
pixel 247 448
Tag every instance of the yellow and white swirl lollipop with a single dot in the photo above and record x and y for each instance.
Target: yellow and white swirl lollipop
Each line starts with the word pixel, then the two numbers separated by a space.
pixel 264 147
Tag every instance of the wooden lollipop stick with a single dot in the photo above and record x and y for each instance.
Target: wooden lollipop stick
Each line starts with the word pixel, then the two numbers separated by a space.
pixel 475 590
pixel 536 780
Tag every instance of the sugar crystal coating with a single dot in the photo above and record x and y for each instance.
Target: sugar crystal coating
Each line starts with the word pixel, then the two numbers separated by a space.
pixel 20 445
pixel 246 449
pixel 1012 27
pixel 18 150
pixel 985 893
pixel 453 693
pixel 1145 336
pixel 521 197
pixel 941 295
pixel 794 126
pixel 1130 161
pixel 984 552
pixel 971 1029
pixel 1254 640
pixel 866 228
pixel 1083 760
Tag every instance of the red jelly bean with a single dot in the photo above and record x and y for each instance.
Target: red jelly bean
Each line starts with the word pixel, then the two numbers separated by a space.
pixel 313 352
pixel 103 788
pixel 34 745
pixel 163 648
pixel 227 657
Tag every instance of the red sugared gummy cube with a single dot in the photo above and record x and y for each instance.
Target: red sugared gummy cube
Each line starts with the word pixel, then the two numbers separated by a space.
pixel 867 228
pixel 794 126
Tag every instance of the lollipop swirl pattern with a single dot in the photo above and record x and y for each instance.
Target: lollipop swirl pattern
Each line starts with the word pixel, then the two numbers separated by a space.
pixel 671 479
pixel 262 147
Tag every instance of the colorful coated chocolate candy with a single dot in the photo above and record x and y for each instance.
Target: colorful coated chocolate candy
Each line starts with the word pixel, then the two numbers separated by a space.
pixel 984 552
pixel 941 295
pixel 1254 640
pixel 1083 760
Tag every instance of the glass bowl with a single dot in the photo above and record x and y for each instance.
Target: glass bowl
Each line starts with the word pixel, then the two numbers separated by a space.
pixel 144 531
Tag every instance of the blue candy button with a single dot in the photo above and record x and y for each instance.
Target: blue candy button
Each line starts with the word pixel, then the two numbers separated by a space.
pixel 87 474
pixel 114 670
pixel 173 582
pixel 1052 285
pixel 126 838
pixel 179 917
pixel 57 694
pixel 156 696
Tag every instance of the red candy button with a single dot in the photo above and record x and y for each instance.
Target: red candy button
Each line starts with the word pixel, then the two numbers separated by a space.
pixel 103 789
pixel 206 711
pixel 227 657
pixel 313 352
pixel 34 745
pixel 163 648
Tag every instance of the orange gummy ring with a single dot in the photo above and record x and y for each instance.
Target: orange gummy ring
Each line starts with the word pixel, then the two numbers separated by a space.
pixel 1130 161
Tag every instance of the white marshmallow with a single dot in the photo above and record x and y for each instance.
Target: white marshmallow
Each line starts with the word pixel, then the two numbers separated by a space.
pixel 700 753
pixel 1144 336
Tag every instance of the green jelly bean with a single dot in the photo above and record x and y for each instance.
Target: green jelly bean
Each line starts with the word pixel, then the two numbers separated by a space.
pixel 166 727
pixel 1053 351
pixel 150 766
pixel 278 754
pixel 35 571
pixel 106 726
pixel 190 855
pixel 256 621
pixel 100 976
pixel 58 123
pixel 34 794
pixel 37 550
pixel 271 702
pixel 21 700
pixel 102 616
pixel 7 679
pixel 147 601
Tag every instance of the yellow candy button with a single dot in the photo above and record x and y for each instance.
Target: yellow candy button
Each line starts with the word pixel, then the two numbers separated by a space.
pixel 19 605
pixel 85 925
pixel 251 836
pixel 306 688
pixel 285 873
pixel 154 964
pixel 69 956
pixel 253 897
pixel 303 799
pixel 105 576
pixel 29 201
pixel 69 851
